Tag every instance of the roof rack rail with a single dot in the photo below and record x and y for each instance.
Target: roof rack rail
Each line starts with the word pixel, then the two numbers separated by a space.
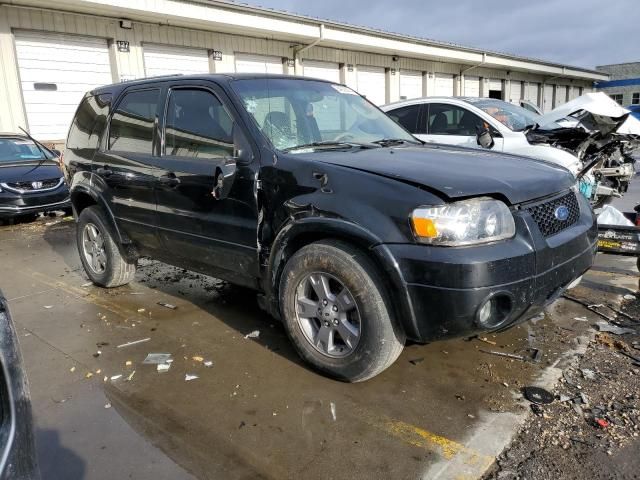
pixel 162 76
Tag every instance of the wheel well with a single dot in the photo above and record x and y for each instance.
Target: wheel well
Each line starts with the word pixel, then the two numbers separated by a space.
pixel 304 239
pixel 80 201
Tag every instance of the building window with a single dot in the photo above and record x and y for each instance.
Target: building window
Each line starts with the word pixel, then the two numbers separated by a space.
pixel 617 97
pixel 635 98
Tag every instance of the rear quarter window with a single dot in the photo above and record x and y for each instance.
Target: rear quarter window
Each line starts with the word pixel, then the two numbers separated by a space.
pixel 89 122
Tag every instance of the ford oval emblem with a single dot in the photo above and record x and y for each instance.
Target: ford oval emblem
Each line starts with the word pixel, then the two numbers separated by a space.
pixel 561 213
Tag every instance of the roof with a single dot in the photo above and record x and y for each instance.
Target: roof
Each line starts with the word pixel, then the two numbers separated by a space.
pixel 379 32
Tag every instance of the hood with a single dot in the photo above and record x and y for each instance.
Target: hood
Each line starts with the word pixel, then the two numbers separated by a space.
pixel 456 172
pixel 28 171
pixel 604 114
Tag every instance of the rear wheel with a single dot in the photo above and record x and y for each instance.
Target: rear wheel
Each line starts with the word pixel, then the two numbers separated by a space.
pixel 101 258
pixel 337 312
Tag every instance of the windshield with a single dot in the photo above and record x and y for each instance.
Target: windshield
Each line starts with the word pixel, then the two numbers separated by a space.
pixel 296 113
pixel 511 116
pixel 19 150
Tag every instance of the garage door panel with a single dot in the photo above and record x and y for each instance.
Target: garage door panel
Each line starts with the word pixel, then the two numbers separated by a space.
pixel 169 60
pixel 75 64
pixel 371 84
pixel 324 70
pixel 246 63
pixel 410 84
pixel 516 92
pixel 443 85
pixel 472 86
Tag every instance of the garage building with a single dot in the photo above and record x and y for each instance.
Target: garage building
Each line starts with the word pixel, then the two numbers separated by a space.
pixel 51 53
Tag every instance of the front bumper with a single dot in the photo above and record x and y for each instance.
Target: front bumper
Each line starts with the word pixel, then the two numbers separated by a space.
pixel 445 288
pixel 12 204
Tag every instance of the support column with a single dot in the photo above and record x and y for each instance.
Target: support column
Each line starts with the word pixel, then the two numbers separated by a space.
pixel 12 113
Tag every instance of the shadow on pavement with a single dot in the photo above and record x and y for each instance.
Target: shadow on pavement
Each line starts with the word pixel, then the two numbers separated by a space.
pixel 56 460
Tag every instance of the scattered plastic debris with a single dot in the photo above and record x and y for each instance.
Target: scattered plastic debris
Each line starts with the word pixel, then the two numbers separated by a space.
pixel 208 363
pixel 157 358
pixel 88 284
pixel 197 359
pixel 88 375
pixel 131 376
pixel 107 405
pixel 416 361
pixel 115 377
pixel 188 377
pixel 333 411
pixel 167 305
pixel 97 354
pixel 580 319
pixel 606 327
pixel 486 340
pixel 135 342
pixel 48 307
pixel 503 354
pixel 538 395
pixel 141 310
pixel 254 334
pixel 163 367
pixel 588 374
pixel 72 369
pixel 601 422
pixel 128 363
pixel 628 296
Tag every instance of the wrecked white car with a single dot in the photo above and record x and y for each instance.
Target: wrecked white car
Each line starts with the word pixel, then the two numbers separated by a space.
pixel 592 136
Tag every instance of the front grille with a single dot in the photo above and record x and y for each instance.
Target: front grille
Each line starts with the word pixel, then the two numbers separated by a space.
pixel 545 214
pixel 34 186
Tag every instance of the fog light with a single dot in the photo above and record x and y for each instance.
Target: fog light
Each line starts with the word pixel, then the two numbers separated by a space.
pixel 485 313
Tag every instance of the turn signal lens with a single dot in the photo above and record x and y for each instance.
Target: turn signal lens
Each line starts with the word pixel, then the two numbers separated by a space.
pixel 424 227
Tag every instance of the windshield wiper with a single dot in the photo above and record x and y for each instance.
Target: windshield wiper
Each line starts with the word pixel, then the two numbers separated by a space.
pixel 329 145
pixel 387 142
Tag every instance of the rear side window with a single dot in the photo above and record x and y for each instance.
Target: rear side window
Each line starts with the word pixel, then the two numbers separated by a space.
pixel 132 122
pixel 407 117
pixel 89 122
pixel 197 125
pixel 452 120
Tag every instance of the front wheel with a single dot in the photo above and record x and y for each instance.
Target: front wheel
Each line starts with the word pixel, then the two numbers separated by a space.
pixel 337 312
pixel 101 258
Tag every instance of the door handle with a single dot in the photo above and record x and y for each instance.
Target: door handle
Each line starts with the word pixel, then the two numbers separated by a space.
pixel 105 172
pixel 169 179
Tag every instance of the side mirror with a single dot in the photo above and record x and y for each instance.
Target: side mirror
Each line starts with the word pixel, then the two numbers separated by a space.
pixel 484 138
pixel 242 152
pixel 223 178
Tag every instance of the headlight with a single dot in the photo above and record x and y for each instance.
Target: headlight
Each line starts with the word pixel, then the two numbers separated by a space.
pixel 468 222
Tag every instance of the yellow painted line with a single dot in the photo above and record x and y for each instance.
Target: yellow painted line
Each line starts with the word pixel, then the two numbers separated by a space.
pixel 449 450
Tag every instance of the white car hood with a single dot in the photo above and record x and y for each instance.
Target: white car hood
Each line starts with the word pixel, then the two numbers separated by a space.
pixel 598 104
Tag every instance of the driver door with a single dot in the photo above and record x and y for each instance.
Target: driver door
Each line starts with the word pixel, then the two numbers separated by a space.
pixel 454 125
pixel 204 229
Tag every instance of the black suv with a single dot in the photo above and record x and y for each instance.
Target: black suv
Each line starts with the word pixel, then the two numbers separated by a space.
pixel 354 233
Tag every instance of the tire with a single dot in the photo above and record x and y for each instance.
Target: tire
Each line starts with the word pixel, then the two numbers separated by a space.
pixel 112 269
pixel 380 340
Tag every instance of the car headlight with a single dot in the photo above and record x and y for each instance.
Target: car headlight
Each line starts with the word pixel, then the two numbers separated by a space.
pixel 468 222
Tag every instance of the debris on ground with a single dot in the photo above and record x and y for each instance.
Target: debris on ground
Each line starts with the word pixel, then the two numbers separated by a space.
pixel 141 310
pixel 88 375
pixel 538 395
pixel 48 307
pixel 167 305
pixel 72 369
pixel 593 430
pixel 503 354
pixel 254 334
pixel 208 363
pixel 130 377
pixel 608 328
pixel 135 342
pixel 107 405
pixel 197 358
pixel 333 411
pixel 156 358
pixel 416 361
pixel 128 363
pixel 116 377
pixel 188 377
pixel 163 367
pixel 88 284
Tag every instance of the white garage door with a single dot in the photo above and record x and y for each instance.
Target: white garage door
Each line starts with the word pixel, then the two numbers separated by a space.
pixel 443 85
pixel 371 84
pixel 55 72
pixel 516 92
pixel 547 101
pixel 323 70
pixel 258 64
pixel 167 60
pixel 495 84
pixel 532 92
pixel 410 84
pixel 471 86
pixel 574 93
pixel 561 95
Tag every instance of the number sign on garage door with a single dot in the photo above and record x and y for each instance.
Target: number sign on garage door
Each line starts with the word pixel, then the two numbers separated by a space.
pixel 168 60
pixel 258 64
pixel 55 72
pixel 471 86
pixel 443 85
pixel 323 70
pixel 371 84
pixel 410 84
